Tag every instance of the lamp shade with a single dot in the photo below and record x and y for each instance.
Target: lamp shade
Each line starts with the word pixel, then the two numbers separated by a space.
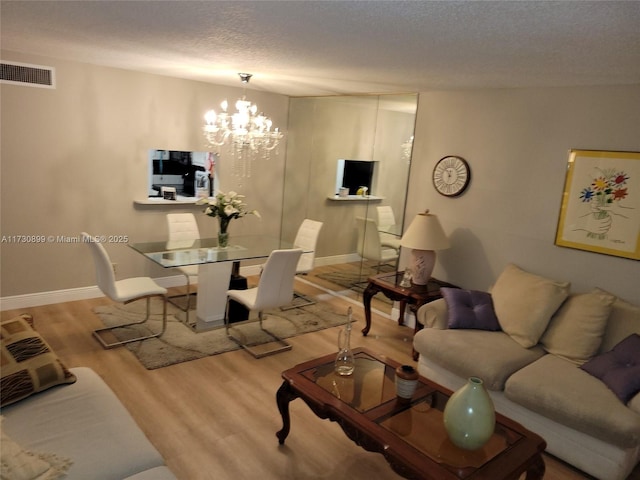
pixel 425 233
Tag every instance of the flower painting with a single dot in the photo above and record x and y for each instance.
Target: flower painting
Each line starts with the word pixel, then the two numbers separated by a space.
pixel 601 203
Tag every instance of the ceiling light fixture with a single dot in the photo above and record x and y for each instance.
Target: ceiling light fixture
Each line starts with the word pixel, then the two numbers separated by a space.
pixel 246 132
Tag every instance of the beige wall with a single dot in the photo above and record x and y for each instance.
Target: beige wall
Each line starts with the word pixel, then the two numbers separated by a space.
pixel 75 158
pixel 516 142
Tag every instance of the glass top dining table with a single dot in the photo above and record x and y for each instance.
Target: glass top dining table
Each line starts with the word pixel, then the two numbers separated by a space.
pixel 216 267
pixel 171 254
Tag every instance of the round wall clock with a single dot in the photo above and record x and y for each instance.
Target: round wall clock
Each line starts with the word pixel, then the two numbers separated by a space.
pixel 451 176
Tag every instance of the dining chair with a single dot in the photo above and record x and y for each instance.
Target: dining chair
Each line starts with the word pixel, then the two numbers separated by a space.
pixel 307 239
pixel 369 246
pixel 183 229
pixel 123 291
pixel 274 289
pixel 387 219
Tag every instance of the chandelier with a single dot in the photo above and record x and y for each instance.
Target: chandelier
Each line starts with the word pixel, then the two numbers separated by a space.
pixel 407 147
pixel 247 133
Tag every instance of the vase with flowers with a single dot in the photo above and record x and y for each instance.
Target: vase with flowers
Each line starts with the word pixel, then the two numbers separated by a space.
pixel 226 206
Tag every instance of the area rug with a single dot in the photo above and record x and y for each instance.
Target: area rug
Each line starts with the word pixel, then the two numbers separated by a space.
pixel 181 344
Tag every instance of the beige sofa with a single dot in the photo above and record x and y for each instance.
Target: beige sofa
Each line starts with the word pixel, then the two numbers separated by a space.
pixel 534 365
pixel 65 423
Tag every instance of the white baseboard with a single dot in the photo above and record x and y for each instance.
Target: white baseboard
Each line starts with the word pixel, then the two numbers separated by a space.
pixel 70 295
pixel 84 293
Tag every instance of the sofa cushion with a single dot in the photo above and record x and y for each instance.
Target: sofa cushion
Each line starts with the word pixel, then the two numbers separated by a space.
pixel 575 331
pixel 86 423
pixel 28 363
pixel 561 391
pixel 619 369
pixel 470 309
pixel 524 303
pixel 623 321
pixel 492 356
pixel 18 463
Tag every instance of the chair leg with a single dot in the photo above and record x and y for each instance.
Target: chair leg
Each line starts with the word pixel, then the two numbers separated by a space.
pixel 259 353
pixel 226 318
pixel 98 333
pixel 188 307
pixel 305 302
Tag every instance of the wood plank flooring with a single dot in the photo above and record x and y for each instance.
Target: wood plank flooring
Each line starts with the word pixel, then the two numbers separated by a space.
pixel 216 418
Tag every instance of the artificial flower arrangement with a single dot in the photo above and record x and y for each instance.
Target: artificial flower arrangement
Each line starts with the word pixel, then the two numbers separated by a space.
pixel 226 206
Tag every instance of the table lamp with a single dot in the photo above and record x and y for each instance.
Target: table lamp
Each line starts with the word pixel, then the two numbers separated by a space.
pixel 424 236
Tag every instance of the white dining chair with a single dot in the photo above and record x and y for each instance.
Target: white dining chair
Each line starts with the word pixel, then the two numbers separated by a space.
pixel 275 289
pixel 369 246
pixel 183 229
pixel 306 239
pixel 123 291
pixel 387 219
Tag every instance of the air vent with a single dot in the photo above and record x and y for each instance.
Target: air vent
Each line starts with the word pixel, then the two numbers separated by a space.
pixel 27 75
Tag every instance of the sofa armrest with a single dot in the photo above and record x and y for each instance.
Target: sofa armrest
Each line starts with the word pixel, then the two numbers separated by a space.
pixel 434 314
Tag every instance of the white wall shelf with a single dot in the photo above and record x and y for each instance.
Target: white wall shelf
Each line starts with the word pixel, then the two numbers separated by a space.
pixel 355 198
pixel 161 201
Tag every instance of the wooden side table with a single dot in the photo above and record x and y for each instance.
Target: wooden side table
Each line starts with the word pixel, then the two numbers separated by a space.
pixel 414 296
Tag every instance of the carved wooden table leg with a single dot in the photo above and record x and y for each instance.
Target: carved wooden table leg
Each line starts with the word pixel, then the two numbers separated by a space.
pixel 368 294
pixel 284 396
pixel 536 469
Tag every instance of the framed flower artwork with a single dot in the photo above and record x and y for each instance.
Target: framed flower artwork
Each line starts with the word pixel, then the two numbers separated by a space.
pixel 600 209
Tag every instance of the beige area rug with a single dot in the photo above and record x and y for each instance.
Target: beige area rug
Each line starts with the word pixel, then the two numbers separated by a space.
pixel 180 344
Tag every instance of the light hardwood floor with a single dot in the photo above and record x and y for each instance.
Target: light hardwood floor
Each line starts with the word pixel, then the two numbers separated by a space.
pixel 216 418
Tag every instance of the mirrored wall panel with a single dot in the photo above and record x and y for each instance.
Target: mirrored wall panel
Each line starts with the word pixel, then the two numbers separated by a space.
pixel 346 157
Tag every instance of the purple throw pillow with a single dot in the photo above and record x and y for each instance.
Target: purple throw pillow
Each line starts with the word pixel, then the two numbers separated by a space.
pixel 470 309
pixel 619 368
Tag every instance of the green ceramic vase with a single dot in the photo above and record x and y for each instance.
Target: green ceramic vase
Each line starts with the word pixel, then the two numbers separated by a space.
pixel 469 416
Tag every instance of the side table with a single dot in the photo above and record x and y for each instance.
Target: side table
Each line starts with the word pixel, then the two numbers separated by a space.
pixel 415 296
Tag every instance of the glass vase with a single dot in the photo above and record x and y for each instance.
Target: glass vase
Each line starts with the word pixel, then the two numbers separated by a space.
pixel 223 232
pixel 223 239
pixel 469 416
pixel 345 361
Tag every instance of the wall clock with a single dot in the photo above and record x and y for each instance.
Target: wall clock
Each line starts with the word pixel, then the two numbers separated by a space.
pixel 451 176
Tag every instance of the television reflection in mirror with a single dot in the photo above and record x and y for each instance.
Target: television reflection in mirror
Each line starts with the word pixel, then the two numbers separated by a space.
pixel 356 175
pixel 190 173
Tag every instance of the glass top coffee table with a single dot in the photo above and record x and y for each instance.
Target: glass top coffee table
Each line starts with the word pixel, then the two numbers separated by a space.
pixel 410 435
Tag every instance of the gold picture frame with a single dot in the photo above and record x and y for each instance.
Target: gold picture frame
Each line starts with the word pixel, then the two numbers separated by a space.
pixel 600 209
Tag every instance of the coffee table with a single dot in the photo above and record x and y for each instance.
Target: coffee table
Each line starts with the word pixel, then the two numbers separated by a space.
pixel 410 435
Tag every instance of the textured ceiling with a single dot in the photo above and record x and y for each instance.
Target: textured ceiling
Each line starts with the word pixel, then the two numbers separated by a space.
pixel 335 47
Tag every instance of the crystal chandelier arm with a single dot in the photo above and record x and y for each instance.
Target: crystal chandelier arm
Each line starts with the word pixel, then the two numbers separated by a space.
pixel 245 131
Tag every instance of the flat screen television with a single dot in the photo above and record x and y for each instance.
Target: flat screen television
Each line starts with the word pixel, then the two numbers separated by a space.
pixel 353 174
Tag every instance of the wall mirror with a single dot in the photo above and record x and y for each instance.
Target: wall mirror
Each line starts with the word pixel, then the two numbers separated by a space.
pixel 325 130
pixel 191 174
